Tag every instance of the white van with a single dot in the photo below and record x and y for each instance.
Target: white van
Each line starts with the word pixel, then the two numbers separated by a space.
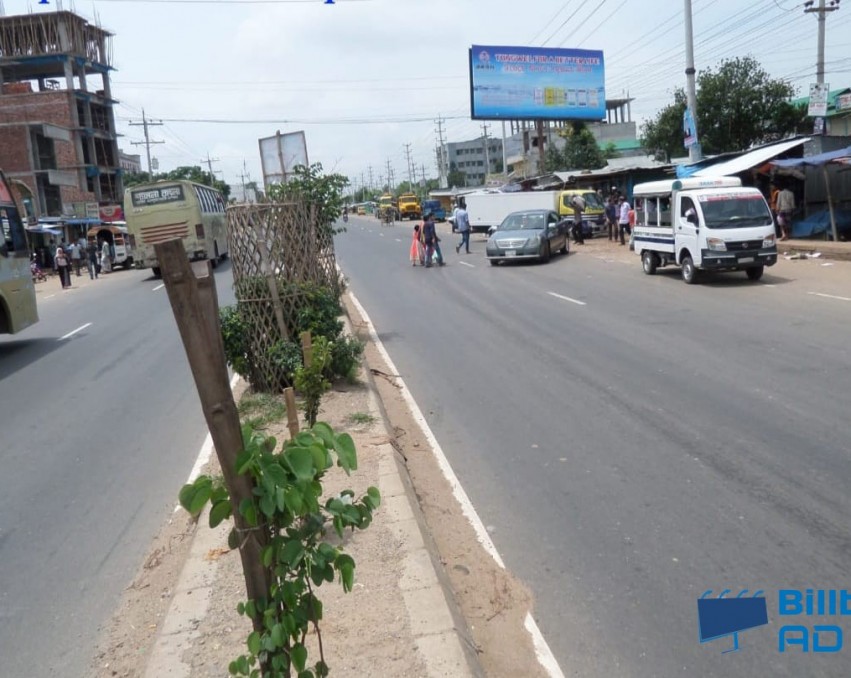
pixel 703 224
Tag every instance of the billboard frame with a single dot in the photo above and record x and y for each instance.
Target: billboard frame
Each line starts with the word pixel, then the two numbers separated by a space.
pixel 545 58
pixel 277 171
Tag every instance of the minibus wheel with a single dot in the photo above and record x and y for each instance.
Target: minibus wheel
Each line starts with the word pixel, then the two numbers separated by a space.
pixel 649 261
pixel 156 271
pixel 755 273
pixel 688 270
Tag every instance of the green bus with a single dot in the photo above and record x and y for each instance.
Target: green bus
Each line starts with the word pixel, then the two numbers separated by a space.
pixel 17 290
pixel 168 210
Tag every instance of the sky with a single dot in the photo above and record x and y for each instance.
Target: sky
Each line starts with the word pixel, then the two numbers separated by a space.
pixel 365 78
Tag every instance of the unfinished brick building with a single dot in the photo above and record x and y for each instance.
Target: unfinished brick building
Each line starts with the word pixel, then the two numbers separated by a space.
pixel 57 133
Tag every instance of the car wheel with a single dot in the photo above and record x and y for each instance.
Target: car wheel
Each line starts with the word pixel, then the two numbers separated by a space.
pixel 493 262
pixel 688 270
pixel 755 273
pixel 156 271
pixel 565 247
pixel 544 256
pixel 649 261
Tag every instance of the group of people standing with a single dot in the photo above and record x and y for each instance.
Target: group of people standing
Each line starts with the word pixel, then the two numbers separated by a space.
pixel 620 217
pixel 425 244
pixel 96 255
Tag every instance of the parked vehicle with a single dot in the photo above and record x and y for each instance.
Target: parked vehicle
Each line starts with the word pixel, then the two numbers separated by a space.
pixel 529 234
pixel 488 209
pixel 703 224
pixel 17 292
pixel 409 206
pixel 436 208
pixel 119 242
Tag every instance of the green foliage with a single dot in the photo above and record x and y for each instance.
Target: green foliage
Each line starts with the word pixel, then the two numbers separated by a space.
pixel 580 151
pixel 319 315
pixel 195 174
pixel 738 106
pixel 345 356
pixel 361 418
pixel 260 409
pixel 287 503
pixel 310 379
pixel 456 178
pixel 324 192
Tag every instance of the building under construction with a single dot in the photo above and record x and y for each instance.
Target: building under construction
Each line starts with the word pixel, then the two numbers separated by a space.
pixel 57 133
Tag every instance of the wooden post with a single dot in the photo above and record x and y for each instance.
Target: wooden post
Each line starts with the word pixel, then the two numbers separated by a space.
pixel 307 348
pixel 195 305
pixel 292 411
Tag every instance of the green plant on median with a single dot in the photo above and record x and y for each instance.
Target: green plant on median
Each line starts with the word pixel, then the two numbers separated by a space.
pixel 319 315
pixel 260 409
pixel 286 503
pixel 361 418
pixel 310 379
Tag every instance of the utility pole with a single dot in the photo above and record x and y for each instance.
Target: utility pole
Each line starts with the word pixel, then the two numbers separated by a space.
pixel 409 163
pixel 370 178
pixel 242 178
pixel 363 182
pixel 694 151
pixel 389 177
pixel 487 154
pixel 442 169
pixel 209 162
pixel 822 9
pixel 147 142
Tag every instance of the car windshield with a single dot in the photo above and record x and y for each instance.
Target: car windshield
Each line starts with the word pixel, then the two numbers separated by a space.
pixel 524 222
pixel 734 211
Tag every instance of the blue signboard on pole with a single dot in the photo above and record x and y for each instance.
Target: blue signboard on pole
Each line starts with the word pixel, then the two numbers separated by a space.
pixel 536 83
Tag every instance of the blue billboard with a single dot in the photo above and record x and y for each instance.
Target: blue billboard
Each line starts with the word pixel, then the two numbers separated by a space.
pixel 536 83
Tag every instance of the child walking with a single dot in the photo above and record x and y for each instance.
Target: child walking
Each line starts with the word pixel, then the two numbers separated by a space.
pixel 417 255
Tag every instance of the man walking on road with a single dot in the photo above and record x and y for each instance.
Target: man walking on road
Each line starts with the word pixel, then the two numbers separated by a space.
pixel 623 218
pixel 92 259
pixel 76 254
pixel 462 225
pixel 785 207
pixel 578 204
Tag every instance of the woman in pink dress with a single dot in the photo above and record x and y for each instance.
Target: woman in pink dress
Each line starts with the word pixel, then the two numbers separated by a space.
pixel 417 254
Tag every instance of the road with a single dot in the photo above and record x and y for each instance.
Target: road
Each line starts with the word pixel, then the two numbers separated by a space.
pixel 632 442
pixel 101 425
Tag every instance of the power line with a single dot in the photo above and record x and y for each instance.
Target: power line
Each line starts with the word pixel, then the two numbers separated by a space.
pixel 147 142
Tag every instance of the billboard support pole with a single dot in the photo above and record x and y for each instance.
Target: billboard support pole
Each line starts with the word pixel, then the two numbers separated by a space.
pixel 694 151
pixel 504 164
pixel 281 156
pixel 539 127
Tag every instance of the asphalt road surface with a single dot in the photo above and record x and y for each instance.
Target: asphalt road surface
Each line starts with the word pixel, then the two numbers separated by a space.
pixel 101 425
pixel 632 442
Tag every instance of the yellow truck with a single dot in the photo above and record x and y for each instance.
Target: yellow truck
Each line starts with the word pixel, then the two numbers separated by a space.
pixel 388 209
pixel 409 206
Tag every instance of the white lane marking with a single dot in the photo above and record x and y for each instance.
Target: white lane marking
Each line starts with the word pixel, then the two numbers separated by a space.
pixel 49 296
pixel 542 650
pixel 73 332
pixel 205 453
pixel 464 263
pixel 829 296
pixel 158 287
pixel 381 234
pixel 572 301
pixel 398 240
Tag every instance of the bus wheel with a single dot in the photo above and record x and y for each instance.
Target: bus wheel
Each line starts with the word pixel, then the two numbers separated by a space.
pixel 214 260
pixel 156 271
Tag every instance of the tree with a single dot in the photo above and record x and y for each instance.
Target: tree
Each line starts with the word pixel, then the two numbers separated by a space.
pixel 323 191
pixel 195 174
pixel 580 149
pixel 456 177
pixel 738 106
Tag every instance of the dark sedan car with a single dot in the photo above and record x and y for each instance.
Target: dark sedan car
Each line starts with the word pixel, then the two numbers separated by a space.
pixel 530 234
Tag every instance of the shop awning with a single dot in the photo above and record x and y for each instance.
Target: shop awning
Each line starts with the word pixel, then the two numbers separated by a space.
pixel 840 156
pixel 751 159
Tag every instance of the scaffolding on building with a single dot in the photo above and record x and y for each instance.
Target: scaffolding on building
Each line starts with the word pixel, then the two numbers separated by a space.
pixel 60 32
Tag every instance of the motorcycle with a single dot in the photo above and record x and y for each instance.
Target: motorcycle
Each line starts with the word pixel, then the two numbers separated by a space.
pixel 36 272
pixel 345 218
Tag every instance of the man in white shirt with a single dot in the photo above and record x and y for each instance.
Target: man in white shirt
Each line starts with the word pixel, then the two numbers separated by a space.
pixel 75 257
pixel 462 225
pixel 785 207
pixel 623 218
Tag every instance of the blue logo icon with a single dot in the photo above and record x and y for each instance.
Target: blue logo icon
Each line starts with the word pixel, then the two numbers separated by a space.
pixel 719 617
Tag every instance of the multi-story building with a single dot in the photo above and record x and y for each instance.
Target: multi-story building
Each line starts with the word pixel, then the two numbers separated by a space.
pixel 57 133
pixel 129 163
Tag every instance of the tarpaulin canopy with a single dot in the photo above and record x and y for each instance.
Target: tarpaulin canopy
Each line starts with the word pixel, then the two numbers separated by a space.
pixel 821 160
pixel 750 159
pixel 39 228
pixel 816 160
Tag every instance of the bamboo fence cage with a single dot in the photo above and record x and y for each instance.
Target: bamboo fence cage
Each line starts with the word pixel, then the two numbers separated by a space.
pixel 276 248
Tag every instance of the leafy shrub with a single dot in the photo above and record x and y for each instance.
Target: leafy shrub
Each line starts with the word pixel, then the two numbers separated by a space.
pixel 345 355
pixel 286 357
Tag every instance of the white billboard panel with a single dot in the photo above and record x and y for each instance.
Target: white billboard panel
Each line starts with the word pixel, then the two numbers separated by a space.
pixel 280 154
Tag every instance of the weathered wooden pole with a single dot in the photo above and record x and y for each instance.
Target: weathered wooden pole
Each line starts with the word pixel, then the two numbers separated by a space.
pixel 196 310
